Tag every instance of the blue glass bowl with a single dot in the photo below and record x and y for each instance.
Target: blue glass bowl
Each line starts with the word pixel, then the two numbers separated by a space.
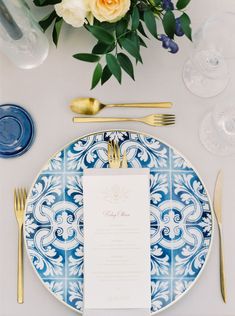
pixel 16 131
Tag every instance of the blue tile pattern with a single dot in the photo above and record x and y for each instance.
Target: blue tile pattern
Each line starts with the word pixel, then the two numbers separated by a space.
pixel 181 217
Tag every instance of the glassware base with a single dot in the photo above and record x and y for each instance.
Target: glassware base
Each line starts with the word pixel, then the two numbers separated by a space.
pixel 201 85
pixel 210 138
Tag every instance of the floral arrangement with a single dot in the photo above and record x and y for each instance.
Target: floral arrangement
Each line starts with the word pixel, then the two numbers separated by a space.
pixel 121 28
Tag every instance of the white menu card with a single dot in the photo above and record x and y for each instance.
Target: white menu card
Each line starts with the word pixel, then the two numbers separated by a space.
pixel 116 242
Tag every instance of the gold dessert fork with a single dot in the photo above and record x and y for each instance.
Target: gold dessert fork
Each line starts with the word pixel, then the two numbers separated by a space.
pixel 124 163
pixel 114 155
pixel 153 120
pixel 20 196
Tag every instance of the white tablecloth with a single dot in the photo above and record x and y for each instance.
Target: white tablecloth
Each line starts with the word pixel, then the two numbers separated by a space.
pixel 46 92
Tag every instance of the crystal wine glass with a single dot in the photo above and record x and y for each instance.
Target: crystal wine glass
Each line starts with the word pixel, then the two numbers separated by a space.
pixel 21 38
pixel 217 131
pixel 206 73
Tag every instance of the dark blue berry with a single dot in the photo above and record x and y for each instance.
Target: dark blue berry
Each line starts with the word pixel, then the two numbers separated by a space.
pixel 167 5
pixel 178 28
pixel 173 47
pixel 162 37
pixel 168 43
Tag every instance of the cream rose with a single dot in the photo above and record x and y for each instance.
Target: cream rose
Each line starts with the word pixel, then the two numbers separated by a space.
pixel 109 10
pixel 74 12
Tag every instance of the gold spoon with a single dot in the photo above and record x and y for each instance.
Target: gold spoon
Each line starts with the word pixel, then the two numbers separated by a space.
pixel 91 106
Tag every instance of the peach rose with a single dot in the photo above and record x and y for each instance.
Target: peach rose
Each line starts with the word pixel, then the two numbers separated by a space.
pixel 109 10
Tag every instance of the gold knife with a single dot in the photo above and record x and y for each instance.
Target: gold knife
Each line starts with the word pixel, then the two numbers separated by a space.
pixel 218 213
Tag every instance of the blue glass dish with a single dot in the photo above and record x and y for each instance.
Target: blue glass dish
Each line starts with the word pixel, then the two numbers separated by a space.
pixel 16 131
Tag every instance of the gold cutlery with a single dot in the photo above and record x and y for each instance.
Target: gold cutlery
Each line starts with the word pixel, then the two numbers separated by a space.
pixel 114 155
pixel 218 213
pixel 124 163
pixel 20 196
pixel 91 106
pixel 153 120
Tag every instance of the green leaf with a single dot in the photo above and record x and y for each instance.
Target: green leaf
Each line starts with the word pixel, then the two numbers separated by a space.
pixel 91 58
pixel 47 20
pixel 186 25
pixel 135 40
pixel 158 3
pixel 101 48
pixel 126 64
pixel 105 75
pixel 121 27
pixel 114 67
pixel 141 30
pixel 169 23
pixel 181 4
pixel 110 27
pixel 131 48
pixel 41 3
pixel 96 75
pixel 135 18
pixel 150 21
pixel 101 34
pixel 142 42
pixel 57 29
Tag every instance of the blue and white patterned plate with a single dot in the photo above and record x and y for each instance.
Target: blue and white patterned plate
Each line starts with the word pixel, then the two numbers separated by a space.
pixel 181 217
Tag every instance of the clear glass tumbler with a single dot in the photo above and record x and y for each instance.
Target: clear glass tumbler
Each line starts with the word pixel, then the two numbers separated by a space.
pixel 21 37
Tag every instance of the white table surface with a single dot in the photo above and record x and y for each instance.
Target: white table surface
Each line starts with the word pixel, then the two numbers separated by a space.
pixel 46 92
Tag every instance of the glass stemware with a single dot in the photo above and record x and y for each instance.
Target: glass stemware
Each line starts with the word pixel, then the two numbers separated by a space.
pixel 21 38
pixel 206 73
pixel 217 132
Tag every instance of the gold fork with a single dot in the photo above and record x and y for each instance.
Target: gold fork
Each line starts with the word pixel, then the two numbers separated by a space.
pixel 114 155
pixel 20 196
pixel 153 120
pixel 124 160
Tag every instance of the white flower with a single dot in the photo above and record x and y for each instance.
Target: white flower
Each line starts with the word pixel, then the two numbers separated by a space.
pixel 74 12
